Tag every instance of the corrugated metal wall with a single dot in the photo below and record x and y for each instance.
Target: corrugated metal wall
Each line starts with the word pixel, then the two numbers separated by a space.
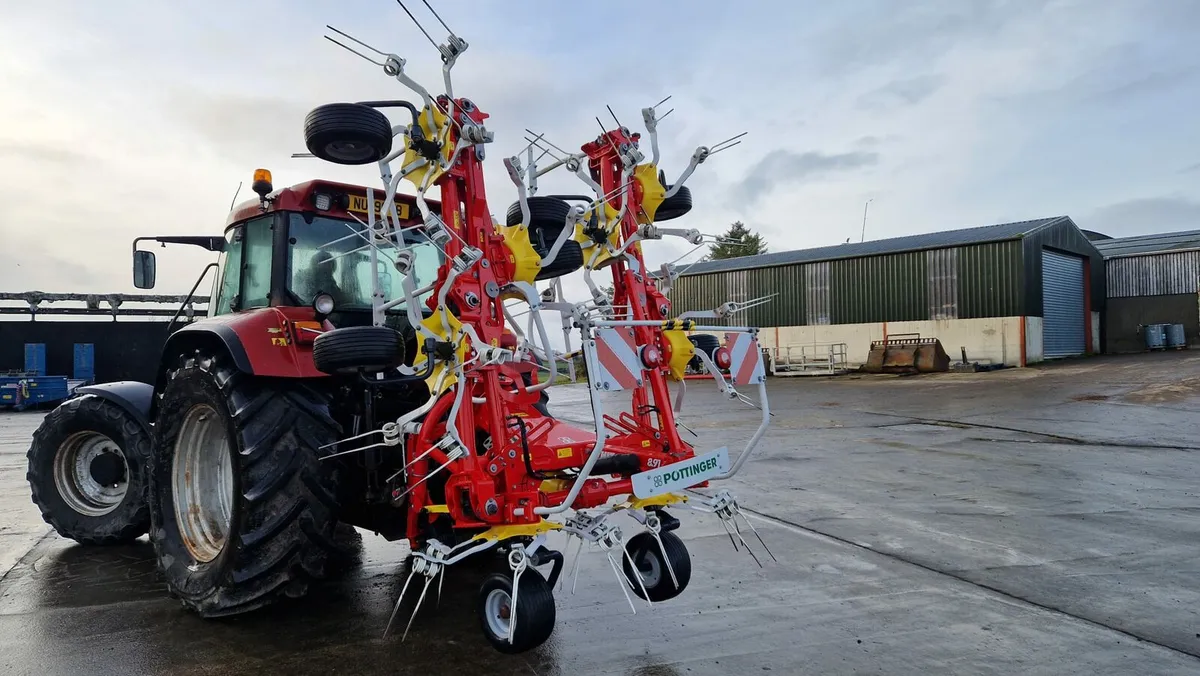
pixel 817 283
pixel 968 282
pixel 1153 275
pixel 942 266
pixel 879 289
pixel 989 280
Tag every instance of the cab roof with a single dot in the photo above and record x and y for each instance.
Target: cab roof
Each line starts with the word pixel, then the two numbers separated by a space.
pixel 346 200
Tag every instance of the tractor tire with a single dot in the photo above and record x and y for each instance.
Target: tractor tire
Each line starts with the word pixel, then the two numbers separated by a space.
pixel 242 510
pixel 674 206
pixel 705 343
pixel 87 471
pixel 348 133
pixel 568 260
pixel 534 614
pixel 348 349
pixel 544 212
pixel 651 563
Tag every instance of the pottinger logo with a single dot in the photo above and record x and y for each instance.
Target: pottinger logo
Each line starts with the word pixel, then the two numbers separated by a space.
pixel 685 472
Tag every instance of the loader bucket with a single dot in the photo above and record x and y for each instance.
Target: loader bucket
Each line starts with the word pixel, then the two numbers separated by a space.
pixel 907 353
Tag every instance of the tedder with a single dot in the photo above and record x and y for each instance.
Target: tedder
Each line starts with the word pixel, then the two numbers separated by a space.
pixel 363 364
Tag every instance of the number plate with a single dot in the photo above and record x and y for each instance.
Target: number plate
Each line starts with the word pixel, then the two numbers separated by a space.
pixel 681 474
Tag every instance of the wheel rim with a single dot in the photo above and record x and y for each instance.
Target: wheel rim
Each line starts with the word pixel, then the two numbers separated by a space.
pixel 350 151
pixel 649 570
pixel 202 479
pixel 498 612
pixel 90 473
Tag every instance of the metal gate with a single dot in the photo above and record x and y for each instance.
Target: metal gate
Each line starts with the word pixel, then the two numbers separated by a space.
pixel 1062 305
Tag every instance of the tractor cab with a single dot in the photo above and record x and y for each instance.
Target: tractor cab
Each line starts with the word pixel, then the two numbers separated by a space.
pixel 306 246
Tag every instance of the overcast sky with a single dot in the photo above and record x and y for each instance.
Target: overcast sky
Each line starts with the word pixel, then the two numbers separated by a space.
pixel 124 118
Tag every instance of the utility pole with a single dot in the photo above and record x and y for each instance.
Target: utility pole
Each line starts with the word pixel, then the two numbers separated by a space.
pixel 864 228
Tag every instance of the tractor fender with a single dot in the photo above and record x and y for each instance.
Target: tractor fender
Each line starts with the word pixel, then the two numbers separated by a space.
pixel 133 397
pixel 262 342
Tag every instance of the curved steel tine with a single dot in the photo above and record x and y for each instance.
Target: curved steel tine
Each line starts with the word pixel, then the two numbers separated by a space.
pixel 620 581
pixel 575 572
pixel 666 559
pixel 638 574
pixel 512 612
pixel 760 539
pixel 403 591
pixel 417 609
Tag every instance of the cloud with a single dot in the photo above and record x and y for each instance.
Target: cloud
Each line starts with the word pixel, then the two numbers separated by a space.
pixel 784 166
pixel 1144 216
pixel 1194 167
pixel 905 92
pixel 23 151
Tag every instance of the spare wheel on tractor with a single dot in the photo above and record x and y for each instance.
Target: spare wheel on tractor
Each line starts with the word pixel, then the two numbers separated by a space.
pixel 242 509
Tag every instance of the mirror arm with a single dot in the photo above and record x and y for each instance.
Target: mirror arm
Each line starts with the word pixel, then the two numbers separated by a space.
pixel 188 298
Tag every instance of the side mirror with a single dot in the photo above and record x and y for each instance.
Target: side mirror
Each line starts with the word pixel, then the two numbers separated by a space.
pixel 143 269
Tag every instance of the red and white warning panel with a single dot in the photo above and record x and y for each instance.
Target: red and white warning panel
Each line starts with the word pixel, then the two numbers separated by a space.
pixel 613 360
pixel 745 359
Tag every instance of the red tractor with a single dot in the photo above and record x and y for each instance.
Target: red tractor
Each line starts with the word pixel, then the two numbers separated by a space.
pixel 361 366
pixel 223 452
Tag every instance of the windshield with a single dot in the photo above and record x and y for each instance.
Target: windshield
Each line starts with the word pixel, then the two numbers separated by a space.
pixel 346 271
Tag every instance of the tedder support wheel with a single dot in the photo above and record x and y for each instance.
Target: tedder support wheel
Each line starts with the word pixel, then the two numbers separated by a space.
pixel 345 350
pixel 568 260
pixel 348 133
pixel 242 510
pixel 87 471
pixel 674 206
pixel 534 614
pixel 544 212
pixel 651 564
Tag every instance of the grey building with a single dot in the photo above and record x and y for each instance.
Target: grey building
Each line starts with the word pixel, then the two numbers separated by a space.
pixel 1012 292
pixel 1151 279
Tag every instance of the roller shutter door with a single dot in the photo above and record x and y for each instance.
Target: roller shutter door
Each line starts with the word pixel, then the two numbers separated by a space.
pixel 1062 305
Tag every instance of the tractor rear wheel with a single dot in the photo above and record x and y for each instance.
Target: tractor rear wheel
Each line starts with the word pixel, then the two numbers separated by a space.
pixel 242 510
pixel 87 471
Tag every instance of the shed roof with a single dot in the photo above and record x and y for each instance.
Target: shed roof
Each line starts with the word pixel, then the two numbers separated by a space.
pixel 933 240
pixel 1144 244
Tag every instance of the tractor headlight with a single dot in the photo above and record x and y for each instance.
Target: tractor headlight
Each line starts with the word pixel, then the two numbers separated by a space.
pixel 323 304
pixel 322 201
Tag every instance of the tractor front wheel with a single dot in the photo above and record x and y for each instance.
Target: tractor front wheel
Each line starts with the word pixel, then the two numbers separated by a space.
pixel 242 509
pixel 87 471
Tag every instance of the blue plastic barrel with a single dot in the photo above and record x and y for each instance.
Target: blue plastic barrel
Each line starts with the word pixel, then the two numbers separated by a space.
pixel 1154 335
pixel 1176 337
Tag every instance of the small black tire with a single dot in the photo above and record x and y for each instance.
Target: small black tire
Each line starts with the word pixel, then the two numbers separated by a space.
pixel 674 206
pixel 81 504
pixel 568 260
pixel 282 530
pixel 544 212
pixel 650 562
pixel 535 614
pixel 348 133
pixel 345 350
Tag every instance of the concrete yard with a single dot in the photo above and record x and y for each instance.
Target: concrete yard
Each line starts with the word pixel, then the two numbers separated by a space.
pixel 1032 521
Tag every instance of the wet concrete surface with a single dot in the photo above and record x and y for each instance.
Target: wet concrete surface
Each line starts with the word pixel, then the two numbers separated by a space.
pixel 1024 521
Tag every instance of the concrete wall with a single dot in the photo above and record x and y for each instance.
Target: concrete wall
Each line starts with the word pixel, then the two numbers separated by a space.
pixel 1095 333
pixel 993 339
pixel 1034 348
pixel 1125 315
